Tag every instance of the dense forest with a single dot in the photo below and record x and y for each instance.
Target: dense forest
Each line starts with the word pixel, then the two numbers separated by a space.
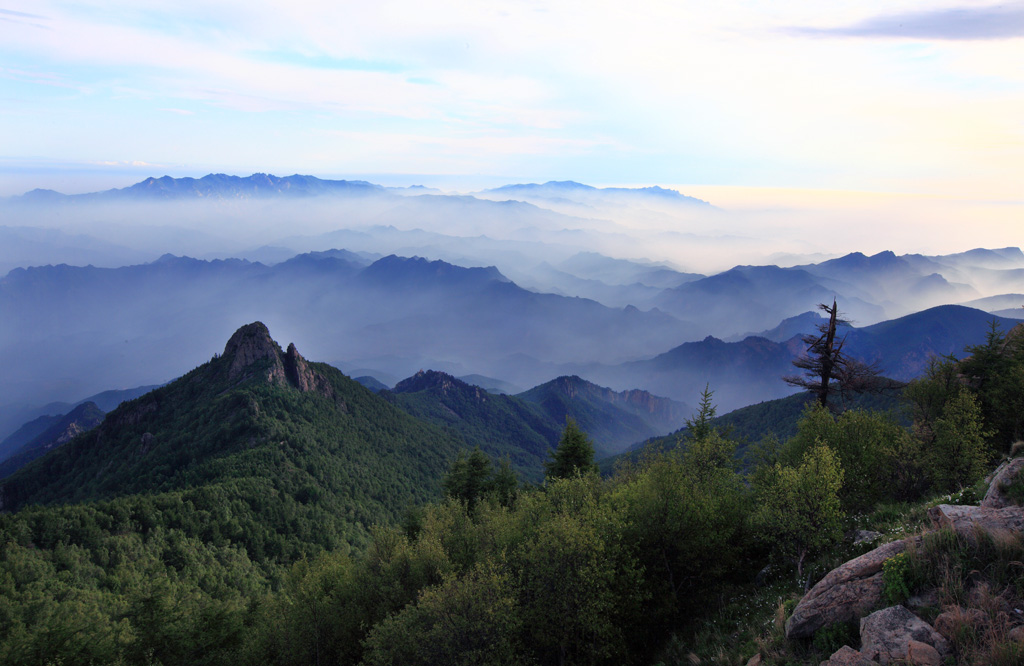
pixel 267 510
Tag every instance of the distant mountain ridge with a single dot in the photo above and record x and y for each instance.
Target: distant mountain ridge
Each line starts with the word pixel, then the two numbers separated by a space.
pixel 261 185
pixel 613 419
pixel 430 310
pixel 82 418
pixel 526 426
pixel 556 189
pixel 750 370
pixel 214 186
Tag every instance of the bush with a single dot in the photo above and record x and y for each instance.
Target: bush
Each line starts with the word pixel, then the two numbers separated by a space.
pixel 897 587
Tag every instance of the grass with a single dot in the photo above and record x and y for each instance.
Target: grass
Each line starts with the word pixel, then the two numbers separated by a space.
pixel 980 583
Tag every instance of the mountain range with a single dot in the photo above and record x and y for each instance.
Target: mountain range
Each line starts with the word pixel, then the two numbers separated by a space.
pixel 395 315
pixel 517 284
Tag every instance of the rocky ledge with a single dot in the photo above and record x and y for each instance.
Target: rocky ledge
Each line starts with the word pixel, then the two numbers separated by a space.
pixel 895 634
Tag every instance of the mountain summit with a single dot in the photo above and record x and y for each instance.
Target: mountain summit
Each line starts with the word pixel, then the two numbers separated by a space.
pixel 252 352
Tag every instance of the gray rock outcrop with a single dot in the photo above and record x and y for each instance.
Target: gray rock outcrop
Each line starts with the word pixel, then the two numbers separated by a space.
pixel 845 593
pixel 250 344
pixel 886 636
pixel 967 520
pixel 1006 473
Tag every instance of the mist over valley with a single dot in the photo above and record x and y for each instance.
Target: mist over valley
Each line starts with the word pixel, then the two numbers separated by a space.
pixel 386 282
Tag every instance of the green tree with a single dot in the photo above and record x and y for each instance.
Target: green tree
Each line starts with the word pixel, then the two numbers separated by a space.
pixel 574 455
pixel 683 513
pixel 960 453
pixel 473 477
pixel 504 484
pixel 469 477
pixel 466 621
pixel 994 370
pixel 797 508
pixel 700 426
pixel 579 590
pixel 879 457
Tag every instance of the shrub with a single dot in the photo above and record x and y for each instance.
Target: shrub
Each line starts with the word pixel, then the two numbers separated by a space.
pixel 897 586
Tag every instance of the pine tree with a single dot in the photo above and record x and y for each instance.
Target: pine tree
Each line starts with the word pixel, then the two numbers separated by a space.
pixel 574 455
pixel 699 426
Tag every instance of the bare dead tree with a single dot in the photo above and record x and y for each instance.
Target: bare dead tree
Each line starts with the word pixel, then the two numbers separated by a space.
pixel 827 370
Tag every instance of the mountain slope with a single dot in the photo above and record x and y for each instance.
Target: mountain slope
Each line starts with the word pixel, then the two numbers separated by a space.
pixel 903 346
pixel 20 423
pixel 502 426
pixel 751 370
pixel 306 455
pixel 63 429
pixel 614 420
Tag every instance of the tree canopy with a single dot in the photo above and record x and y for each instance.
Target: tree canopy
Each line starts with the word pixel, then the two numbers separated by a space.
pixel 574 454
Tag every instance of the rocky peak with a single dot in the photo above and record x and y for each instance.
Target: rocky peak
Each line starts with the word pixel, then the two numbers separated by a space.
pixel 250 344
pixel 441 383
pixel 570 385
pixel 427 380
pixel 297 370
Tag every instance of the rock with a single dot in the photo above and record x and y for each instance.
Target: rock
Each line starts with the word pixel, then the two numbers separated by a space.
pixel 1006 473
pixel 147 443
pixel 250 344
pixel 864 536
pixel 845 593
pixel 885 635
pixel 922 654
pixel 847 656
pixel 965 520
pixel 1016 635
pixel 981 597
pixel 949 623
pixel 755 660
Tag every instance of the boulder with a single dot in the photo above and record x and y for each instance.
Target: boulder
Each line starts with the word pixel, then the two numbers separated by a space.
pixel 847 656
pixel 967 520
pixel 949 622
pixel 845 593
pixel 922 654
pixel 864 536
pixel 1007 472
pixel 886 635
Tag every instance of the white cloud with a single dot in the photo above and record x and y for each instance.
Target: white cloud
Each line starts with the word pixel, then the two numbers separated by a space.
pixel 720 87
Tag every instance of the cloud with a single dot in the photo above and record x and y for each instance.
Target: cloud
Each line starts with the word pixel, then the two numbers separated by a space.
pixel 23 18
pixel 131 163
pixel 954 24
pixel 8 12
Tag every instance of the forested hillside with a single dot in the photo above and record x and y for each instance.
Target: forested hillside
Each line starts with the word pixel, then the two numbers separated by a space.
pixel 259 510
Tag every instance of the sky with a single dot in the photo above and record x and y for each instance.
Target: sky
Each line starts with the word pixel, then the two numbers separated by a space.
pixel 909 98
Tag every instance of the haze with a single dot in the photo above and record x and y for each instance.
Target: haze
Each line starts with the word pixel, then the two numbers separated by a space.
pixel 810 131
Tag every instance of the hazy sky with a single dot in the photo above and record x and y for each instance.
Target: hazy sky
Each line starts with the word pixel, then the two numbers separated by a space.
pixel 896 96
